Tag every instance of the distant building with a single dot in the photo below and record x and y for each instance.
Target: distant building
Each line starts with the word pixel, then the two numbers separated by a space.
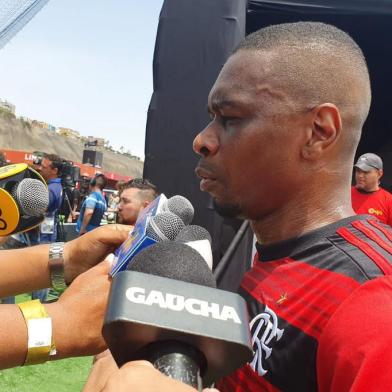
pixel 68 132
pixel 26 119
pixel 93 141
pixel 8 106
pixel 43 125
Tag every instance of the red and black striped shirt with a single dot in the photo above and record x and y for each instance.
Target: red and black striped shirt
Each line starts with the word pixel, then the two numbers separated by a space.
pixel 321 311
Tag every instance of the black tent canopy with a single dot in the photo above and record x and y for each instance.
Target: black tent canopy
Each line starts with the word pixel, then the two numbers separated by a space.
pixel 370 24
pixel 193 41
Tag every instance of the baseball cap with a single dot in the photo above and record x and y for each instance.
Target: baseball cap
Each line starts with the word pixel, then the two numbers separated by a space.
pixel 369 161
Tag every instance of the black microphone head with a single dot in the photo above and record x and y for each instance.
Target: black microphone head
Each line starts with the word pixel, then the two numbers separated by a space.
pixel 32 196
pixel 193 233
pixel 164 226
pixel 180 206
pixel 173 260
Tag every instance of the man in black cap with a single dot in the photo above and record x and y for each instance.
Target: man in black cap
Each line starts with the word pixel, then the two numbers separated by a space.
pixel 367 195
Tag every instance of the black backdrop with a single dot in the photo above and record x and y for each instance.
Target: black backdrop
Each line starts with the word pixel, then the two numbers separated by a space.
pixel 193 41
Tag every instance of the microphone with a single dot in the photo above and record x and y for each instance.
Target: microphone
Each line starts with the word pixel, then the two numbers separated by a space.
pixel 166 309
pixel 180 206
pixel 163 226
pixel 24 198
pixel 32 197
pixel 198 238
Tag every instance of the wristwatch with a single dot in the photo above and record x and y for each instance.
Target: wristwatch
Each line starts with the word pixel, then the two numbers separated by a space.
pixel 56 265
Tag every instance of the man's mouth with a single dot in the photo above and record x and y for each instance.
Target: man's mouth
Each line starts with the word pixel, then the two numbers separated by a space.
pixel 207 178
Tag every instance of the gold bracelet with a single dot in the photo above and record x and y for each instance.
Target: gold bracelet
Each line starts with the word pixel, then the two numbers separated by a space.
pixel 39 329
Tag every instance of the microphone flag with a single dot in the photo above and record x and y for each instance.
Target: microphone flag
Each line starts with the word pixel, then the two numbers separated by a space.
pixel 138 238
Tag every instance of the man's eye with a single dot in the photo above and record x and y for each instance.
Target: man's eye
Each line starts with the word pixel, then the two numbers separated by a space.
pixel 227 121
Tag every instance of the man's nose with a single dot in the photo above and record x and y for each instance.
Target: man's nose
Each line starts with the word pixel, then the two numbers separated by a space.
pixel 206 143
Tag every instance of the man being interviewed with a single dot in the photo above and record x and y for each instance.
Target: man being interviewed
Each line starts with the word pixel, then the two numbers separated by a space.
pixel 287 110
pixel 367 195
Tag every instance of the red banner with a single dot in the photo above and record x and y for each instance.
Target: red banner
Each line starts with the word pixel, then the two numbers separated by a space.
pixel 13 156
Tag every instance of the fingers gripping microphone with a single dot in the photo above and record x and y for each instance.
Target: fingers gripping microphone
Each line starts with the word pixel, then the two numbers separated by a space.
pixel 166 309
pixel 198 238
pixel 24 198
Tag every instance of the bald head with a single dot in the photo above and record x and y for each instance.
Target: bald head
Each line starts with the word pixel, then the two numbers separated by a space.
pixel 317 63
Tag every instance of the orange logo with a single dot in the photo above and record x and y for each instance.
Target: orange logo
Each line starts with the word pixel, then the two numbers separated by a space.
pixel 374 211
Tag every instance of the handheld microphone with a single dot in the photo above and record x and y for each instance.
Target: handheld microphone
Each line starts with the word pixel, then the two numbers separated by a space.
pixel 180 206
pixel 24 198
pixel 198 238
pixel 162 227
pixel 166 309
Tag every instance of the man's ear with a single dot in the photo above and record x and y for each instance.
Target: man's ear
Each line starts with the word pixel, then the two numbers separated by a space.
pixel 380 173
pixel 145 203
pixel 323 132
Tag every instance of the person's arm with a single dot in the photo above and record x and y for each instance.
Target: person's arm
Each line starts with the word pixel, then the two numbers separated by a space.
pixel 52 200
pixel 354 350
pixel 24 270
pixel 88 213
pixel 91 201
pixel 77 319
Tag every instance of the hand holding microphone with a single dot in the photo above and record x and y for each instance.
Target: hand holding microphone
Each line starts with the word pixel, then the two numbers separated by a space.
pixel 166 309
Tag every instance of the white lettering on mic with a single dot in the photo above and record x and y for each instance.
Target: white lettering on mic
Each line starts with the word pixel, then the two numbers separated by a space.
pixel 179 303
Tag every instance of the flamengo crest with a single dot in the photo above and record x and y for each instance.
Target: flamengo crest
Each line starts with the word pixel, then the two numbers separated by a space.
pixel 264 328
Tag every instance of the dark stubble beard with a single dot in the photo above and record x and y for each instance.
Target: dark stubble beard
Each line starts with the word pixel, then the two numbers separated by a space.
pixel 227 210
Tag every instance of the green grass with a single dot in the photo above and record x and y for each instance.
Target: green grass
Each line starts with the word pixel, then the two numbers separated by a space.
pixel 67 375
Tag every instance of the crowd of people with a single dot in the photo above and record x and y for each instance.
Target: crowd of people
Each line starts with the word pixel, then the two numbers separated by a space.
pixel 294 97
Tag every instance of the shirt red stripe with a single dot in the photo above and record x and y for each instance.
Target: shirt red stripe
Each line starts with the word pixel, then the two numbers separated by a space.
pixel 383 229
pixel 379 260
pixel 307 309
pixel 245 380
pixel 372 235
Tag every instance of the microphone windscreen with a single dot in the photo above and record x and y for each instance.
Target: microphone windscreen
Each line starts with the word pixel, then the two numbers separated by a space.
pixel 164 226
pixel 32 197
pixel 180 206
pixel 173 260
pixel 193 233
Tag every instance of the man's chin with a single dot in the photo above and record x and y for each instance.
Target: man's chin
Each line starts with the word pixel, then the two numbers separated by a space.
pixel 227 210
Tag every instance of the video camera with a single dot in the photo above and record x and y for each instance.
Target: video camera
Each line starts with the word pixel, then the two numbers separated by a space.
pixel 68 172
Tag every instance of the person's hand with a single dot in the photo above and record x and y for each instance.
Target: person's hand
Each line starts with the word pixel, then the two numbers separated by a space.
pixel 90 249
pixel 78 315
pixel 141 376
pixel 104 366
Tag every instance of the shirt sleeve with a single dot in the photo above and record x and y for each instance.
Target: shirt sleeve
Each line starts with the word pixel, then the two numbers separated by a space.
pixel 91 201
pixel 52 200
pixel 354 351
pixel 389 201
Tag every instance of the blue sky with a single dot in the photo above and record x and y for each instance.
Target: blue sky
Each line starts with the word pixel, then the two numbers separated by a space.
pixel 85 65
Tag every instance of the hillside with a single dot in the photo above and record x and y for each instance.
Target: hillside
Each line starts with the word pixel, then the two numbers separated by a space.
pixel 15 134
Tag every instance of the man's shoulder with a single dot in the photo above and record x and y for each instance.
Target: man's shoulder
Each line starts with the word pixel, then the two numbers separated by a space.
pixel 386 193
